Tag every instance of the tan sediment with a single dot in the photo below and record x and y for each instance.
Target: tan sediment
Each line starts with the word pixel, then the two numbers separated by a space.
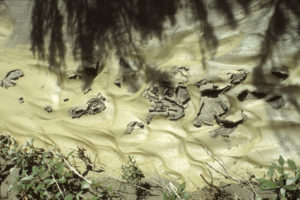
pixel 173 149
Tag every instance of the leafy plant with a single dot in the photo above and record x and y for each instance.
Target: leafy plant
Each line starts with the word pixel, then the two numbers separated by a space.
pixel 47 174
pixel 286 186
pixel 179 193
pixel 131 173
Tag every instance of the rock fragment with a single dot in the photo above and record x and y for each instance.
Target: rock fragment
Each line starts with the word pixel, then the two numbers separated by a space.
pixel 87 90
pixel 280 72
pixel 171 103
pixel 239 77
pixel 11 76
pixel 212 103
pixel 73 76
pixel 21 100
pixel 117 82
pixel 168 91
pixel 228 125
pixel 181 74
pixel 151 93
pixel 182 95
pixel 206 85
pixel 247 94
pixel 93 106
pixel 276 101
pixel 207 88
pixel 166 107
pixel 209 108
pixel 231 120
pixel 48 108
pixel 222 131
pixel 131 125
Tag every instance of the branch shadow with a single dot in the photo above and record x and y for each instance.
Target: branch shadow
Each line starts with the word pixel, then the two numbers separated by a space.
pixel 96 27
pixel 278 27
pixel 48 20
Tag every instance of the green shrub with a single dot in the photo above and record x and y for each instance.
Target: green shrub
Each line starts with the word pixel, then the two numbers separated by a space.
pixel 285 185
pixel 47 174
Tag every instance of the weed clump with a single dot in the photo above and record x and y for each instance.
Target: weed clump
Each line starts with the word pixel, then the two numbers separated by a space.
pixel 131 173
pixel 46 174
pixel 285 185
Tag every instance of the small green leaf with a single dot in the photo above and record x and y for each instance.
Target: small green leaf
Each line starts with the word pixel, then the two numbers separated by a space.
pixel 262 180
pixel 60 168
pixel 292 180
pixel 51 163
pixel 181 187
pixel 291 164
pixel 23 186
pixel 271 172
pixel 69 154
pixel 49 183
pixel 281 161
pixel 268 185
pixel 24 172
pixel 173 196
pixel 57 195
pixel 30 142
pixel 186 196
pixel 34 170
pixel 27 178
pixel 274 165
pixel 38 187
pixel 282 192
pixel 48 180
pixel 85 185
pixel 290 187
pixel 78 195
pixel 280 170
pixel 62 180
pixel 10 188
pixel 281 181
pixel 30 184
pixel 69 197
pixel 68 174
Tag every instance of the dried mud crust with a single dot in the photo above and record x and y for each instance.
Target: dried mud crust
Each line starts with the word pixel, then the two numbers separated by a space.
pixel 132 125
pixel 92 107
pixel 280 72
pixel 239 77
pixel 171 102
pixel 228 125
pixel 11 76
pixel 211 108
pixel 214 105
pixel 168 102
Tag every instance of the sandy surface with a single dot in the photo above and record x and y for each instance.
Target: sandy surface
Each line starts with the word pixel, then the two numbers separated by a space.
pixel 172 149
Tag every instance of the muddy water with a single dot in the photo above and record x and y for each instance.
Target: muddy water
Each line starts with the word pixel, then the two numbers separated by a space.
pixel 171 149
